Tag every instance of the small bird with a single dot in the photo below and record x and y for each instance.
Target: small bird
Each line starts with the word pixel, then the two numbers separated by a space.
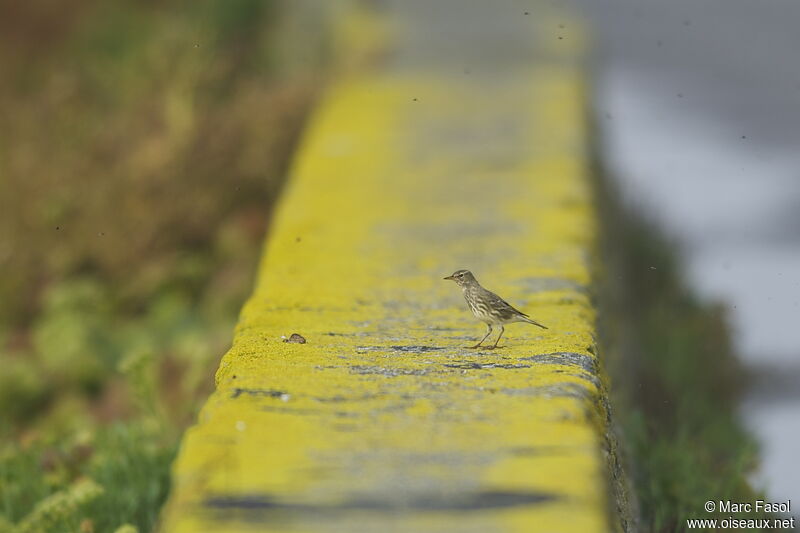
pixel 487 306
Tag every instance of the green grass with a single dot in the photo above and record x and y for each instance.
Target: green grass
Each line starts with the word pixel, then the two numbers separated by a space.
pixel 675 380
pixel 142 146
pixel 136 466
pixel 127 462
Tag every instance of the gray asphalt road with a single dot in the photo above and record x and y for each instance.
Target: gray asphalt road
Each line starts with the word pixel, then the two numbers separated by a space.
pixel 737 61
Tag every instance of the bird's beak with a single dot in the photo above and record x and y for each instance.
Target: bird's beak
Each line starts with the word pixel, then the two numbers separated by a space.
pixel 449 277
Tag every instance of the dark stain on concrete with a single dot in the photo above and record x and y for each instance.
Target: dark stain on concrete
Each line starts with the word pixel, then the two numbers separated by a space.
pixel 569 390
pixel 402 349
pixel 386 371
pixel 267 393
pixel 417 349
pixel 485 366
pixel 342 399
pixel 586 362
pixel 260 506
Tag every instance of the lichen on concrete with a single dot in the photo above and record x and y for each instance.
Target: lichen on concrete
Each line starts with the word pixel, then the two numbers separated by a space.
pixel 384 420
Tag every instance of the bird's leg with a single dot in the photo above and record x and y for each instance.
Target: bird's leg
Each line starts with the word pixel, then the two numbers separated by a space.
pixel 489 332
pixel 502 329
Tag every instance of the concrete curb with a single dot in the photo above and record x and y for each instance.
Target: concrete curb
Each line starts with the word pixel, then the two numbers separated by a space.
pixel 382 420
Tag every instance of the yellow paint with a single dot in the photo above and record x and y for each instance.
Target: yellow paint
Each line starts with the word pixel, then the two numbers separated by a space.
pixel 383 420
pixel 359 37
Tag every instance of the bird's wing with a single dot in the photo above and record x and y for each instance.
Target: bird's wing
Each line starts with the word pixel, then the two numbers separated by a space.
pixel 502 305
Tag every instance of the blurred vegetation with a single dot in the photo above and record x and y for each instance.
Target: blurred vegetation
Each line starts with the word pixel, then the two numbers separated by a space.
pixel 675 380
pixel 142 143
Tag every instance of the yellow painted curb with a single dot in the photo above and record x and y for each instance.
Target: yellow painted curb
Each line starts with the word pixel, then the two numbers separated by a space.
pixel 383 420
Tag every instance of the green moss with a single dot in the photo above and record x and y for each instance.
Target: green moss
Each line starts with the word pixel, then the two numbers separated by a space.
pixel 675 380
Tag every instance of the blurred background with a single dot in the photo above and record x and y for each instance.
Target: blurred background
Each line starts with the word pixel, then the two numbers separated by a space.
pixel 141 145
pixel 698 109
pixel 143 141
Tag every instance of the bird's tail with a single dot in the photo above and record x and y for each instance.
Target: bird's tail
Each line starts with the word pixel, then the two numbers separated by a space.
pixel 531 321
